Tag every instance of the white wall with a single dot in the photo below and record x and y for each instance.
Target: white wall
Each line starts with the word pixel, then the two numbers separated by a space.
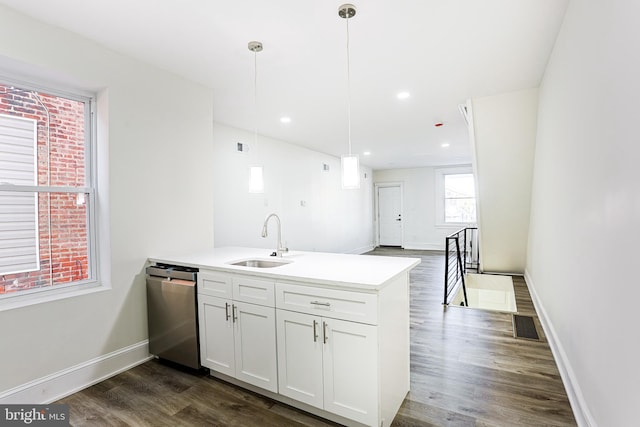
pixel 504 134
pixel 155 129
pixel 332 220
pixel 420 229
pixel 585 219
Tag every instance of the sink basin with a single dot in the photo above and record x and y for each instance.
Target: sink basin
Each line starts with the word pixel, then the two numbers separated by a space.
pixel 260 263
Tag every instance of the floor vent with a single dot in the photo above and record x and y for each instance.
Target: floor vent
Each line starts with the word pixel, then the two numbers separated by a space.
pixel 524 327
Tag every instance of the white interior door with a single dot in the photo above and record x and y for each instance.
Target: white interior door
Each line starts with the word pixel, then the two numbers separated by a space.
pixel 389 216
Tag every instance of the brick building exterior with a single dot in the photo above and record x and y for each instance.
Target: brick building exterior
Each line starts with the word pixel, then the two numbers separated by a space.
pixel 62 217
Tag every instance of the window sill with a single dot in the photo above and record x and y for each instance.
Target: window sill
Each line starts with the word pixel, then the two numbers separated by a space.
pixel 10 301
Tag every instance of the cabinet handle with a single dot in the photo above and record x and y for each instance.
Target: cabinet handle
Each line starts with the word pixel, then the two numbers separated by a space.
pixel 315 331
pixel 235 313
pixel 325 304
pixel 324 332
pixel 226 310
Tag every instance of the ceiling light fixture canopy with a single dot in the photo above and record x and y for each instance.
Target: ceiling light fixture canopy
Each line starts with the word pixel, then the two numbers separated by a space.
pixel 256 173
pixel 350 162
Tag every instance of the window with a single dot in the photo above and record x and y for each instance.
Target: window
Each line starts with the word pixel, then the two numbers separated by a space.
pixel 456 200
pixel 459 198
pixel 46 191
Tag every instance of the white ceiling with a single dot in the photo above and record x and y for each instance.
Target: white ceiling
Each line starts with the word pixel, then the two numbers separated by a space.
pixel 442 52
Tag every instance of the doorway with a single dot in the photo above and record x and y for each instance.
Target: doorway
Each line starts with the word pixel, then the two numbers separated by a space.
pixel 389 214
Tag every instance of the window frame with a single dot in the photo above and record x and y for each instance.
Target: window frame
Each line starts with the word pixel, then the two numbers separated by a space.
pixel 93 283
pixel 440 195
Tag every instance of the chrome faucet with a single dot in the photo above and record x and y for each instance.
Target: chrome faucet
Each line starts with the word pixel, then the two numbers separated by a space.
pixel 279 248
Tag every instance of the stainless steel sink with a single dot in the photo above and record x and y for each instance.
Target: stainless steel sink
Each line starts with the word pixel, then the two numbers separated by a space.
pixel 260 263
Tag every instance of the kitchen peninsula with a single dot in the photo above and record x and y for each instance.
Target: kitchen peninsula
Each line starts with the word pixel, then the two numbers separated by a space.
pixel 327 333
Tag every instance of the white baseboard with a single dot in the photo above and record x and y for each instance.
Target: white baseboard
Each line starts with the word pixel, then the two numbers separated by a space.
pixel 578 404
pixel 71 380
pixel 362 250
pixel 424 246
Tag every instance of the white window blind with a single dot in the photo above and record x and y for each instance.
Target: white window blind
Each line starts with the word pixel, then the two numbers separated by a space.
pixel 18 210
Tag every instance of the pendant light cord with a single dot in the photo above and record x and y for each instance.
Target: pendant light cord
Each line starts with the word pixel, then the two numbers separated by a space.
pixel 255 99
pixel 348 89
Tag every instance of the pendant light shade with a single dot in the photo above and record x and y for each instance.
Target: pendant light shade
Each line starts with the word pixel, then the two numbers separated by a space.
pixel 350 163
pixel 256 176
pixel 256 180
pixel 350 171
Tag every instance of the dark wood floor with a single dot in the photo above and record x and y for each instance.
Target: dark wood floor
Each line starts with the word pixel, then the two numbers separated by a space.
pixel 467 369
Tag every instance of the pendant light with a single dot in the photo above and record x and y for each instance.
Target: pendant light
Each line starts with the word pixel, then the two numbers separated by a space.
pixel 350 163
pixel 256 177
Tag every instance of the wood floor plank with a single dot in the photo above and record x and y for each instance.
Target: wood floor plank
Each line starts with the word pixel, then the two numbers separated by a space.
pixel 467 369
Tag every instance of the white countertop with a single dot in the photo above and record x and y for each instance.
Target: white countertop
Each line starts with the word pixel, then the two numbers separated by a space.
pixel 369 272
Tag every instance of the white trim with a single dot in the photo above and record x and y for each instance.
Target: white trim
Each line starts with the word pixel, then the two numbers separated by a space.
pixel 419 246
pixel 71 380
pixel 29 297
pixel 574 392
pixel 361 250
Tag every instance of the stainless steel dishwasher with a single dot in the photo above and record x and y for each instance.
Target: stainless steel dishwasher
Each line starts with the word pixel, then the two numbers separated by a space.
pixel 172 314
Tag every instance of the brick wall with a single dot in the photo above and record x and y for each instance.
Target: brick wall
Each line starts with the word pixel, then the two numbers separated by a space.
pixel 62 222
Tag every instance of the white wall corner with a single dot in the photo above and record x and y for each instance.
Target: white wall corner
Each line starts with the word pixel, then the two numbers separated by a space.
pixel 58 385
pixel 363 249
pixel 576 398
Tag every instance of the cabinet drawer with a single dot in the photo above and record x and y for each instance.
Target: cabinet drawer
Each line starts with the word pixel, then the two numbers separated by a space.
pixel 254 291
pixel 334 303
pixel 214 284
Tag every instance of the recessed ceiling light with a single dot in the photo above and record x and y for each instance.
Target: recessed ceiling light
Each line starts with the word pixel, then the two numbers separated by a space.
pixel 403 95
pixel 445 145
pixel 285 119
pixel 367 153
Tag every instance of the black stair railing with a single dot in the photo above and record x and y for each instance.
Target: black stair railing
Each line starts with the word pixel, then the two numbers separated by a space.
pixel 461 254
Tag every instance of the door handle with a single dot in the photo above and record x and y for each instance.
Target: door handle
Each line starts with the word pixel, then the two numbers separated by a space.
pixel 315 331
pixel 235 313
pixel 398 219
pixel 324 332
pixel 226 310
pixel 324 304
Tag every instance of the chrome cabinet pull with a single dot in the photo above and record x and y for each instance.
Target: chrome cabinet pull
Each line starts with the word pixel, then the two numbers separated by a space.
pixel 235 313
pixel 315 331
pixel 226 310
pixel 325 304
pixel 324 332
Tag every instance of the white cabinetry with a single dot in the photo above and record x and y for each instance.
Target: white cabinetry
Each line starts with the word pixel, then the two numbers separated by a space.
pixel 330 364
pixel 238 338
pixel 335 350
pixel 328 349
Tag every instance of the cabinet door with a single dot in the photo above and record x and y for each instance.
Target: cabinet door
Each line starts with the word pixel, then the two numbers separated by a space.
pixel 350 364
pixel 216 334
pixel 255 345
pixel 300 357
